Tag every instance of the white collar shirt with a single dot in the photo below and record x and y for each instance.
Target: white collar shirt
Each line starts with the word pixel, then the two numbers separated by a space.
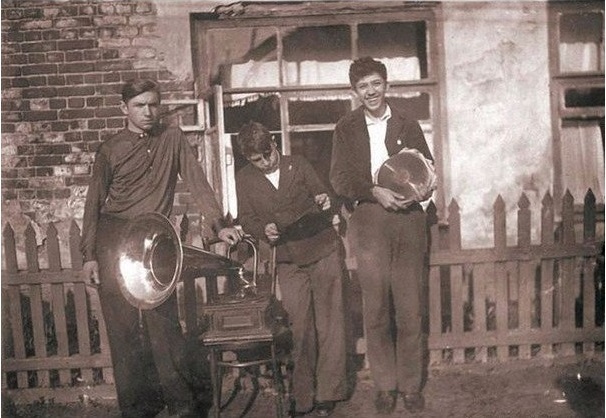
pixel 377 129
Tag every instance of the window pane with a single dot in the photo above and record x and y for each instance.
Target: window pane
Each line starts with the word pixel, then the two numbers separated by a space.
pixel 316 147
pixel 401 46
pixel 584 97
pixel 243 57
pixel 583 158
pixel 316 55
pixel 262 109
pixel 415 105
pixel 317 111
pixel 581 42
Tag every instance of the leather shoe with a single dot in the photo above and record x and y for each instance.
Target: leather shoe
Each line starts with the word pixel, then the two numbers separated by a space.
pixel 385 402
pixel 413 402
pixel 324 409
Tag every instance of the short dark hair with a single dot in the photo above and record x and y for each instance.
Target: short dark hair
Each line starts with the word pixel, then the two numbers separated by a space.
pixel 362 67
pixel 134 88
pixel 254 138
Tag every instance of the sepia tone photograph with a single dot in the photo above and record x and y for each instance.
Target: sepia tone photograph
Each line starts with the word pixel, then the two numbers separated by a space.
pixel 316 208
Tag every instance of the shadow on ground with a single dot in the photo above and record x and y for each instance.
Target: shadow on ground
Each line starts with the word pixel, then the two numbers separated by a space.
pixel 519 389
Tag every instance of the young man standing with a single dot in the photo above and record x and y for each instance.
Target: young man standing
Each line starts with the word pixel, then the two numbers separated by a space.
pixel 387 233
pixel 135 172
pixel 275 193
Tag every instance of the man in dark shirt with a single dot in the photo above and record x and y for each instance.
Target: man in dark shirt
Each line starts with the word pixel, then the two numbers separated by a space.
pixel 135 172
pixel 276 193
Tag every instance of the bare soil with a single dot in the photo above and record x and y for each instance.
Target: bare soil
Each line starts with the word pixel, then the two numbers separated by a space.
pixel 518 389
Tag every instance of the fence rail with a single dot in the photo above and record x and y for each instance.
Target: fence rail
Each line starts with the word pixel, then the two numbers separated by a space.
pixel 489 304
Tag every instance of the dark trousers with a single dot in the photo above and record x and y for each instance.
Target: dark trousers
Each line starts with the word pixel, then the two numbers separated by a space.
pixel 313 297
pixel 154 365
pixel 390 250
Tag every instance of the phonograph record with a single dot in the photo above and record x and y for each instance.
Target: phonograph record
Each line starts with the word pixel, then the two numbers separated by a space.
pixel 409 173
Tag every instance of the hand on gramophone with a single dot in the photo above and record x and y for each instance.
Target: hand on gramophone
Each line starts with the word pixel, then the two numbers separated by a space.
pixel 389 199
pixel 231 236
pixel 271 232
pixel 323 201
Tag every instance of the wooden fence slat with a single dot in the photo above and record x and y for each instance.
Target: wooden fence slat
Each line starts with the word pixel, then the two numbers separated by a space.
pixel 547 272
pixel 95 304
pixel 457 313
pixel 82 328
pixel 9 249
pixel 14 294
pixel 502 309
pixel 39 333
pixel 480 273
pixel 589 318
pixel 435 311
pixel 31 249
pixel 589 217
pixel 52 248
pixel 526 297
pixel 74 246
pixel 58 295
pixel 568 279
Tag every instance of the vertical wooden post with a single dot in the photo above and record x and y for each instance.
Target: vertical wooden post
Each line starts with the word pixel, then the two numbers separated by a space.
pixel 526 274
pixel 567 271
pixel 589 265
pixel 502 297
pixel 456 281
pixel 547 270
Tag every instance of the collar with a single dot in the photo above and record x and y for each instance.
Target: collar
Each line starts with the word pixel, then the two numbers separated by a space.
pixel 371 120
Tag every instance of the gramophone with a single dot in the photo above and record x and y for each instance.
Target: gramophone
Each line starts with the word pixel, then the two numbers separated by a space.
pixel 153 260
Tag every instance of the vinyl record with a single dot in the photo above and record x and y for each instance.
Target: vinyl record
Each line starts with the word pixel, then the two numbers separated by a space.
pixel 408 173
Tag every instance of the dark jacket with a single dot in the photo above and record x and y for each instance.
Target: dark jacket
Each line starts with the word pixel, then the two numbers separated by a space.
pixel 259 203
pixel 350 173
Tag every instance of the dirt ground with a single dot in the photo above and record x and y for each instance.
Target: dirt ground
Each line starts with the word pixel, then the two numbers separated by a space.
pixel 519 389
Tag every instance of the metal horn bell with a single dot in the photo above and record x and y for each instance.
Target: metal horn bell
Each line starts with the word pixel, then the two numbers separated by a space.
pixel 152 261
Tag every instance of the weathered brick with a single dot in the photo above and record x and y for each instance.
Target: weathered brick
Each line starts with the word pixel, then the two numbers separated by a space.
pixel 55 56
pixel 93 54
pixel 12 93
pixel 148 30
pixel 44 193
pixel 108 112
pixel 8 195
pixel 40 115
pixel 14 183
pixel 90 136
pixel 36 81
pixel 81 169
pixel 39 104
pixel 36 58
pixel 111 77
pixel 53 137
pixel 106 9
pixel 57 103
pixel 69 10
pixel 76 67
pixel 68 34
pixel 62 193
pixel 33 13
pixel 42 126
pixel 43 46
pixel 13 14
pixel 73 22
pixel 115 123
pixel 75 91
pixel 32 36
pixel 56 80
pixel 118 65
pixel 52 149
pixel 96 124
pixel 50 12
pixel 73 136
pixel 110 20
pixel 43 171
pixel 94 78
pixel 60 126
pixel 11 48
pixel 24 127
pixel 14 59
pixel 72 79
pixel 143 64
pixel 11 116
pixel 50 35
pixel 34 92
pixel 76 44
pixel 77 124
pixel 76 102
pixel 105 33
pixel 13 37
pixel 88 10
pixel 36 24
pixel 77 181
pixel 11 70
pixel 128 52
pixel 113 100
pixel 85 33
pixel 7 127
pixel 115 88
pixel 94 101
pixel 127 31
pixel 143 7
pixel 114 43
pixel 123 9
pixel 76 113
pixel 39 69
pixel 109 54
pixel 74 56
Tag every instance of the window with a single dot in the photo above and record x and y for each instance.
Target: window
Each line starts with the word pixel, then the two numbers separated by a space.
pixel 577 87
pixel 289 69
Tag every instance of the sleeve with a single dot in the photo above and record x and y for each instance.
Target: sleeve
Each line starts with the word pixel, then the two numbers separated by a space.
pixel 345 176
pixel 250 220
pixel 198 186
pixel 97 192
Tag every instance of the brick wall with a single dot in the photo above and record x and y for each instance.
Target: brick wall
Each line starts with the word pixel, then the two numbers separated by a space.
pixel 63 64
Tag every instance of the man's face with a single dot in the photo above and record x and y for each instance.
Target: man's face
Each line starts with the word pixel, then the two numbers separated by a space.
pixel 371 92
pixel 142 111
pixel 267 162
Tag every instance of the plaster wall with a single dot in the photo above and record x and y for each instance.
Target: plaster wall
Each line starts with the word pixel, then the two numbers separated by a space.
pixel 497 101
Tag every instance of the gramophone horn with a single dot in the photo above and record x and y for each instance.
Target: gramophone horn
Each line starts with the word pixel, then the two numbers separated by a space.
pixel 152 260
